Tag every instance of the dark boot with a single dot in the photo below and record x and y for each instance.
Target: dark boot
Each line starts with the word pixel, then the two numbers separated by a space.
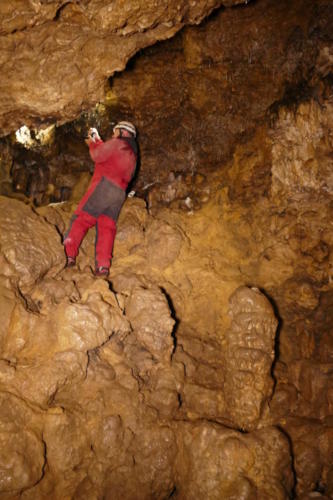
pixel 71 261
pixel 102 271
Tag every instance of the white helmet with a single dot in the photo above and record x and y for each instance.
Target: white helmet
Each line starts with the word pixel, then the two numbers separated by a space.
pixel 126 126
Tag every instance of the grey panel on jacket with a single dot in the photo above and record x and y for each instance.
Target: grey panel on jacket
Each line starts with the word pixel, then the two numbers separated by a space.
pixel 106 199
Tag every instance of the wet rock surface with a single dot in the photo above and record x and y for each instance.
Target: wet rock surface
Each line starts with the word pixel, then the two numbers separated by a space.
pixel 203 367
pixel 208 89
pixel 65 51
pixel 105 377
pixel 140 387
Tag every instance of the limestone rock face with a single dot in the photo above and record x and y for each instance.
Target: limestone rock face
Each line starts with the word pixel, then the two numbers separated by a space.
pixel 28 246
pixel 65 51
pixel 220 463
pixel 306 167
pixel 149 315
pixel 249 356
pixel 197 96
pixel 22 458
pixel 202 368
pixel 102 380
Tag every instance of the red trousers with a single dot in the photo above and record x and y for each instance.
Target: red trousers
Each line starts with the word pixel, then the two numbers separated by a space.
pixel 105 234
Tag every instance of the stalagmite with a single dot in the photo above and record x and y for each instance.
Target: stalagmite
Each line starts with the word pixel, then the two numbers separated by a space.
pixel 249 355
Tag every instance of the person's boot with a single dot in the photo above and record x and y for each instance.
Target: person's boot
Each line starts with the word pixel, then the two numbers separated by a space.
pixel 102 271
pixel 71 261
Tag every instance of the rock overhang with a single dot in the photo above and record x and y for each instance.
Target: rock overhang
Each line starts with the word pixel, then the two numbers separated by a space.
pixel 56 56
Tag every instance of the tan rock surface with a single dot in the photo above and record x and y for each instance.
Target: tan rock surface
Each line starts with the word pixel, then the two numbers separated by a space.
pixel 65 51
pixel 306 167
pixel 249 354
pixel 72 353
pixel 220 463
pixel 29 247
pixel 22 451
pixel 138 387
pixel 149 315
pixel 99 372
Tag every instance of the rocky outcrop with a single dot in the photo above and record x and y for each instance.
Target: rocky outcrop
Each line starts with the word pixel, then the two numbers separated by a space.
pixel 105 398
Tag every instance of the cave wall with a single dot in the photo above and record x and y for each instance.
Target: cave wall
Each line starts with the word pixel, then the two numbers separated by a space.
pixel 127 395
pixel 203 367
pixel 209 88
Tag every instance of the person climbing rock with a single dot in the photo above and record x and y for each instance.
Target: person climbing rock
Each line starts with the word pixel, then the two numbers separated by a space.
pixel 115 162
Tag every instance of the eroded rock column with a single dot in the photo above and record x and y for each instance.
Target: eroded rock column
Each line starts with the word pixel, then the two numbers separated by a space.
pixel 249 355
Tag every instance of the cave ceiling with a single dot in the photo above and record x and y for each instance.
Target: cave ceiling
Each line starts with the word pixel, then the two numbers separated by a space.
pixel 55 56
pixel 193 98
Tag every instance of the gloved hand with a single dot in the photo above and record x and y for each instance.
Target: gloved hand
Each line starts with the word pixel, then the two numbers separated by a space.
pixel 93 134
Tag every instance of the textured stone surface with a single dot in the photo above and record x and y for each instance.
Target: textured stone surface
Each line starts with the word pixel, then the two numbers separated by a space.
pixel 29 248
pixel 22 452
pixel 206 90
pixel 194 99
pixel 142 386
pixel 65 51
pixel 249 355
pixel 102 372
pixel 149 314
pixel 306 167
pixel 112 382
pixel 220 463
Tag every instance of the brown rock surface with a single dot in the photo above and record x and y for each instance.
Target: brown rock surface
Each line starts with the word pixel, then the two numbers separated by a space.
pixel 29 247
pixel 101 372
pixel 205 91
pixel 149 315
pixel 142 386
pixel 65 51
pixel 220 463
pixel 249 354
pixel 117 379
pixel 306 167
pixel 22 451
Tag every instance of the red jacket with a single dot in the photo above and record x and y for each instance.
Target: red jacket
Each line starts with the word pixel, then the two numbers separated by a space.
pixel 114 159
pixel 115 162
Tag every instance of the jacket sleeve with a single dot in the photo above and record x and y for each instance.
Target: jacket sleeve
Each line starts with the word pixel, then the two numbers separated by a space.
pixel 100 151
